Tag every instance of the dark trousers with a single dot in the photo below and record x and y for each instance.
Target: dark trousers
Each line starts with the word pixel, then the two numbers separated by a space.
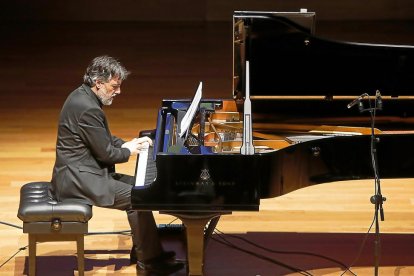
pixel 143 227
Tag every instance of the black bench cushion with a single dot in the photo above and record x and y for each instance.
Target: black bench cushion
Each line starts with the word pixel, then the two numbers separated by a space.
pixel 37 205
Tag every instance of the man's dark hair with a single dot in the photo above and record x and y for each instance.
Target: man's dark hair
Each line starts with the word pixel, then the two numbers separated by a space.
pixel 104 68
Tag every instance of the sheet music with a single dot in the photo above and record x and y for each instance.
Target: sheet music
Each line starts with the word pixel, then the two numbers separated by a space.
pixel 189 115
pixel 142 165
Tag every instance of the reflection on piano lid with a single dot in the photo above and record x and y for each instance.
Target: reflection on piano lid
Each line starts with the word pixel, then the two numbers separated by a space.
pixel 304 138
pixel 287 59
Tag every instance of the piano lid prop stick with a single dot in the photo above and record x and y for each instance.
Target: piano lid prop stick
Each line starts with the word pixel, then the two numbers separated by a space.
pixel 247 147
pixel 142 165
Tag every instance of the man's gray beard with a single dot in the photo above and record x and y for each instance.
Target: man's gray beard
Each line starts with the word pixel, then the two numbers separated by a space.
pixel 103 98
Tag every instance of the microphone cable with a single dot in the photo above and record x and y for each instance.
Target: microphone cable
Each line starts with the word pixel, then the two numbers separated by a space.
pixel 224 241
pixel 18 251
pixel 361 247
pixel 287 252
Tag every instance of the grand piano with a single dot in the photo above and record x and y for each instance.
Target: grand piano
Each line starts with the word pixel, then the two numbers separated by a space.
pixel 293 104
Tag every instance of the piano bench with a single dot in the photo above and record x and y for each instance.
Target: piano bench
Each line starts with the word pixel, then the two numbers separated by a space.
pixel 46 220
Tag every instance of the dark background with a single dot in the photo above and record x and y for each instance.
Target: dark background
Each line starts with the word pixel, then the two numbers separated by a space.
pixel 168 45
pixel 201 10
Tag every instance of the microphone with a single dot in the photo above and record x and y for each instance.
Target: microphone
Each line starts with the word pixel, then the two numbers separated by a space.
pixel 357 100
pixel 378 98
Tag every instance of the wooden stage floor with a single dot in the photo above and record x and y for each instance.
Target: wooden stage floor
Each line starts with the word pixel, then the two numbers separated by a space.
pixel 318 229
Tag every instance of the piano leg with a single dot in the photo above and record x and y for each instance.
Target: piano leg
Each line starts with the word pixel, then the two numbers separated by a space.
pixel 194 225
pixel 208 231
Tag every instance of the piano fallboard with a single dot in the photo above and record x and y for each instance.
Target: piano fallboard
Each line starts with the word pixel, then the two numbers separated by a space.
pixel 199 182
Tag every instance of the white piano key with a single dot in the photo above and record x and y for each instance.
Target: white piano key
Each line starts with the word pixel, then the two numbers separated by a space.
pixel 142 165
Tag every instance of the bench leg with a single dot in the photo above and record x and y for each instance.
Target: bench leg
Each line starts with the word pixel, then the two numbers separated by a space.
pixel 32 255
pixel 81 255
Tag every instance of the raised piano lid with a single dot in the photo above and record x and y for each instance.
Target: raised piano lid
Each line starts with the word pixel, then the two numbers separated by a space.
pixel 288 61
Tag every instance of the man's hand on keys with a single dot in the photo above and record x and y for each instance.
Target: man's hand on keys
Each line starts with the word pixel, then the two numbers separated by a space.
pixel 136 145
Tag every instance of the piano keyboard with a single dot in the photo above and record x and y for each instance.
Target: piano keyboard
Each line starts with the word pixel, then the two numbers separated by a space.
pixel 146 170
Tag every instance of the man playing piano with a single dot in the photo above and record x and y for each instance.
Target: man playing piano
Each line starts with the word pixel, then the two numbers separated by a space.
pixel 86 154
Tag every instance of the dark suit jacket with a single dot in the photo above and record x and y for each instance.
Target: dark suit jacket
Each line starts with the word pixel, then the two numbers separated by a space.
pixel 86 152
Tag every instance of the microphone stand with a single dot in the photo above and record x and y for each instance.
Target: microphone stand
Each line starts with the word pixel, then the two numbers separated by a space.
pixel 377 199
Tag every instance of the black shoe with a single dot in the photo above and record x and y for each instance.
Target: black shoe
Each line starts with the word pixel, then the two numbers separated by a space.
pixel 133 255
pixel 165 256
pixel 158 267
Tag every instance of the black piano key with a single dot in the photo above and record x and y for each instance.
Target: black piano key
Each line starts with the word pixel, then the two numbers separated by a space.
pixel 151 171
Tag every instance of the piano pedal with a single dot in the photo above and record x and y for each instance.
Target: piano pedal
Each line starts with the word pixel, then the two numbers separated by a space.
pixel 171 229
